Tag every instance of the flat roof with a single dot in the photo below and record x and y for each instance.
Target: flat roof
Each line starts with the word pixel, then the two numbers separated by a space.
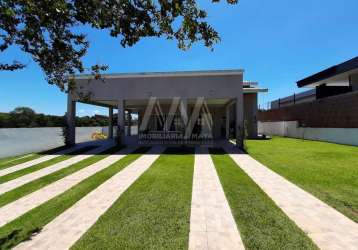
pixel 330 72
pixel 167 74
pixel 254 90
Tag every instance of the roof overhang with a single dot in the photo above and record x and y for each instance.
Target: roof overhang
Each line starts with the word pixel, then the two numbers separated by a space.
pixel 337 75
pixel 166 74
pixel 254 90
pixel 251 87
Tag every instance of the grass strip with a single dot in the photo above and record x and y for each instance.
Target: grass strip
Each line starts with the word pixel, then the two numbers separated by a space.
pixel 154 213
pixel 42 165
pixel 23 227
pixel 328 171
pixel 37 184
pixel 261 223
pixel 15 160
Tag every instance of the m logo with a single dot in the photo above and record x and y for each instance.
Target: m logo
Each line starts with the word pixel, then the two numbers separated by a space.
pixel 174 122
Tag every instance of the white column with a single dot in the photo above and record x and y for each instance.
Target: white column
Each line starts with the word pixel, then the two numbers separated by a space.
pixel 240 133
pixel 110 123
pixel 120 122
pixel 71 121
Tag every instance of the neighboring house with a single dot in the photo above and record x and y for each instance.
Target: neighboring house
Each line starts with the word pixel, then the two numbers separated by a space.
pixel 336 80
pixel 184 106
pixel 329 111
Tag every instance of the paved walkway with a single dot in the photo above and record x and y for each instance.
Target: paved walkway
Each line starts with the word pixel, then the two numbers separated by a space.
pixel 18 158
pixel 328 228
pixel 66 229
pixel 10 185
pixel 37 161
pixel 28 202
pixel 212 225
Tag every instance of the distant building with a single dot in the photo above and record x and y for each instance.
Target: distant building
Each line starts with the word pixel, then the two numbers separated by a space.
pixel 336 80
pixel 326 112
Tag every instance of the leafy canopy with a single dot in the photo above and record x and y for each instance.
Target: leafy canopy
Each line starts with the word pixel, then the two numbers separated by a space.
pixel 49 29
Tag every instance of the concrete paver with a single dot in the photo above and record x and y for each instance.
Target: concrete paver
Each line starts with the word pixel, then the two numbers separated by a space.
pixel 27 164
pixel 21 206
pixel 7 186
pixel 212 225
pixel 66 229
pixel 327 227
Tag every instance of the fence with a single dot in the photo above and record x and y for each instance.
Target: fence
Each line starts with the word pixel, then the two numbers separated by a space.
pixel 339 111
pixel 348 136
pixel 15 141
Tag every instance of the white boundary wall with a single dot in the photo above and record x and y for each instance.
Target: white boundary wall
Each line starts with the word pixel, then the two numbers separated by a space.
pixel 291 129
pixel 16 141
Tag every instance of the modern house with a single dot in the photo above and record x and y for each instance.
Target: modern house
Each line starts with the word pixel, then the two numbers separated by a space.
pixel 327 112
pixel 172 107
pixel 336 80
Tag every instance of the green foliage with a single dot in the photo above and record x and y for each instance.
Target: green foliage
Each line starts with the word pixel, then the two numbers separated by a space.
pixel 7 242
pixel 4 120
pixel 50 31
pixel 23 117
pixel 246 135
pixel 65 131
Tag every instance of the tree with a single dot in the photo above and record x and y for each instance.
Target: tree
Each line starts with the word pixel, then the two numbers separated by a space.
pixel 49 30
pixel 23 117
pixel 4 120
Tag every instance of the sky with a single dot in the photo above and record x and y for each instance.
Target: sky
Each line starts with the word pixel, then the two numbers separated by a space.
pixel 276 42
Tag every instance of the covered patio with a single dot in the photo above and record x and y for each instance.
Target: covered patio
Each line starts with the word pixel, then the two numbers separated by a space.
pixel 171 108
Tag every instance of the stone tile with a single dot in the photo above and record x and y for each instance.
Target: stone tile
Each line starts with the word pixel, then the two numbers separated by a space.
pixel 19 207
pixel 67 228
pixel 7 186
pixel 327 227
pixel 212 225
pixel 224 241
pixel 331 241
pixel 197 218
pixel 37 161
pixel 198 241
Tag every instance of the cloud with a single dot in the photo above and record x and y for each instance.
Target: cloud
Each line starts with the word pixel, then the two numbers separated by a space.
pixel 89 112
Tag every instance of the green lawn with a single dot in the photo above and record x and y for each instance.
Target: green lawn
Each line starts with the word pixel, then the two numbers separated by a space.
pixel 37 184
pixel 261 223
pixel 18 159
pixel 328 171
pixel 42 165
pixel 154 213
pixel 14 160
pixel 23 227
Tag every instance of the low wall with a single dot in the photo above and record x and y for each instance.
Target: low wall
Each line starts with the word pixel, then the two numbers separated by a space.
pixel 348 136
pixel 16 141
pixel 340 111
